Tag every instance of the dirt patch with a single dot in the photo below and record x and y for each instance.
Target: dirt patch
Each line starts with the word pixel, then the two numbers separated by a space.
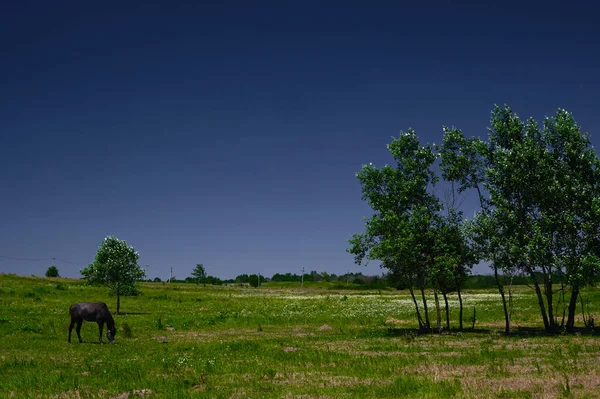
pixel 72 394
pixel 138 393
pixel 543 386
pixel 391 320
pixel 291 349
pixel 441 371
pixel 480 387
pixel 325 327
pixel 378 353
pixel 322 380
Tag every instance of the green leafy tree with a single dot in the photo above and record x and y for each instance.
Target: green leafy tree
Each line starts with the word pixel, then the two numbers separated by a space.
pixel 52 272
pixel 454 259
pixel 255 280
pixel 199 273
pixel 539 217
pixel 115 266
pixel 517 182
pixel 400 233
pixel 542 184
pixel 571 212
pixel 464 162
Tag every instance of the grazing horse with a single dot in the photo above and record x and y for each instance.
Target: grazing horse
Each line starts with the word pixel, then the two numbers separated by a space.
pixel 92 311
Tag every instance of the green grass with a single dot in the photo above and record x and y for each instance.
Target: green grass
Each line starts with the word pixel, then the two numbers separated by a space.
pixel 184 341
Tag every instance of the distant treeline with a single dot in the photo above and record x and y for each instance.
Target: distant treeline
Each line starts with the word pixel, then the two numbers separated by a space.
pixel 348 280
pixel 255 279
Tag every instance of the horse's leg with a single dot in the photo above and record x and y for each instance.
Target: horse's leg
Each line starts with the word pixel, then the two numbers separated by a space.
pixel 101 327
pixel 79 323
pixel 71 329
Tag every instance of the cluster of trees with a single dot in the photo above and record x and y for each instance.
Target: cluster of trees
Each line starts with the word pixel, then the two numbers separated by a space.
pixel 199 276
pixel 538 215
pixel 116 266
pixel 356 278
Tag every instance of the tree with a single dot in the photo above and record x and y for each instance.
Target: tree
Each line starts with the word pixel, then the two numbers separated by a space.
pixel 199 274
pixel 540 217
pixel 256 280
pixel 242 279
pixel 213 280
pixel 116 267
pixel 454 259
pixel 464 161
pixel 52 272
pixel 571 213
pixel 400 233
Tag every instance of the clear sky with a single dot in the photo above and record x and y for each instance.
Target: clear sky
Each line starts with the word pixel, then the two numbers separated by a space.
pixel 229 133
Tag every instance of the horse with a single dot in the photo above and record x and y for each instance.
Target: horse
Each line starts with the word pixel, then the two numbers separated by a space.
pixel 92 311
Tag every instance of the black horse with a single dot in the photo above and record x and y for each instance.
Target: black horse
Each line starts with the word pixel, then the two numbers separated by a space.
pixel 92 311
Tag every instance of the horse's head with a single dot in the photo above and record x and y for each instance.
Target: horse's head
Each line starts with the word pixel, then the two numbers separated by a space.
pixel 110 333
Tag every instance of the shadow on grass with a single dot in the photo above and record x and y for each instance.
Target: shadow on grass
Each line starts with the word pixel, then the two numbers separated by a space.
pixel 540 332
pixel 519 332
pixel 130 313
pixel 90 343
pixel 396 332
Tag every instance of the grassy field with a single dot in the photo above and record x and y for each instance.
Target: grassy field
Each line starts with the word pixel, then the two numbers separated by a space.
pixel 183 340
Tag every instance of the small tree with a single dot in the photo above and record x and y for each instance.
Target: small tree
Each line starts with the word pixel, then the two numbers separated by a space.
pixel 116 267
pixel 52 272
pixel 256 280
pixel 199 273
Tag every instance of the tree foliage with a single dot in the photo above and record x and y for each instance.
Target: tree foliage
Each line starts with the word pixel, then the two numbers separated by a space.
pixel 115 266
pixel 52 272
pixel 199 273
pixel 540 220
pixel 400 233
pixel 539 195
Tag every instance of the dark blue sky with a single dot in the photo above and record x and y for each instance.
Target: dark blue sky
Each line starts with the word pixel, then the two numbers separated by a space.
pixel 229 133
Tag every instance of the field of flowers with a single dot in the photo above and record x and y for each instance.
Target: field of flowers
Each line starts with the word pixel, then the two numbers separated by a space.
pixel 184 340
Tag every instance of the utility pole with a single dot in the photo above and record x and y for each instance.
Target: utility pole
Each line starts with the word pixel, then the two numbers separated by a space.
pixel 302 285
pixel 53 261
pixel 171 275
pixel 258 286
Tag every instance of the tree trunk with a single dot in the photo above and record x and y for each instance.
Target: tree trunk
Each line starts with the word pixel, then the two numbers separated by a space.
pixel 438 311
pixel 460 311
pixel 118 297
pixel 549 299
pixel 447 311
pixel 501 290
pixel 564 308
pixel 538 293
pixel 427 324
pixel 572 307
pixel 412 294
